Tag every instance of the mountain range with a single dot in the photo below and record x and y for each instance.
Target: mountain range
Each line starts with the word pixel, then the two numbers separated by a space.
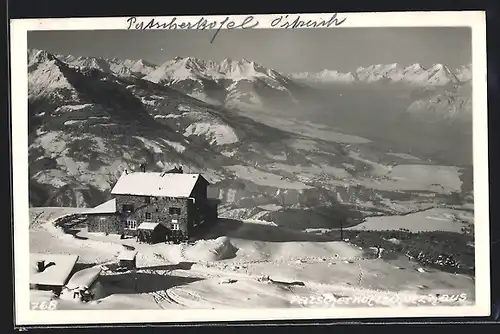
pixel 416 74
pixel 247 85
pixel 198 70
pixel 92 118
pixel 232 83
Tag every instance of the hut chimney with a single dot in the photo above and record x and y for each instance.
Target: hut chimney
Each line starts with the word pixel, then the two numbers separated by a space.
pixel 175 170
pixel 40 266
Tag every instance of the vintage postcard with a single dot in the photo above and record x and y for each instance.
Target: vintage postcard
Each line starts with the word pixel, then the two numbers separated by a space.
pixel 222 168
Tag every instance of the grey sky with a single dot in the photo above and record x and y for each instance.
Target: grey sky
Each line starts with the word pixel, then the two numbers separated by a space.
pixel 342 49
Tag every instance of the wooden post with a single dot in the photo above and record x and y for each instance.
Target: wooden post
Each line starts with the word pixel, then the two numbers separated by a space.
pixel 341 230
pixel 135 279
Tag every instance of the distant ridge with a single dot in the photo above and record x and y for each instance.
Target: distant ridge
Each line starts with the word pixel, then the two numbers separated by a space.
pixel 416 74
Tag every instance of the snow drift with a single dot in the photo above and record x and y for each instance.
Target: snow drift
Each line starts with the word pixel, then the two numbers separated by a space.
pixel 211 250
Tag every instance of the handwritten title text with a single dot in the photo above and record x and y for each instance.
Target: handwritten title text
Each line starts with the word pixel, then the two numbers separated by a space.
pixel 249 22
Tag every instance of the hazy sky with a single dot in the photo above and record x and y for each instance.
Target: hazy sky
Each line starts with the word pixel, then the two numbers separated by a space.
pixel 342 49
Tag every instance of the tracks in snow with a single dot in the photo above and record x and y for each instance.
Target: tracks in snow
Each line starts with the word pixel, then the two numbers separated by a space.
pixel 183 297
pixel 163 296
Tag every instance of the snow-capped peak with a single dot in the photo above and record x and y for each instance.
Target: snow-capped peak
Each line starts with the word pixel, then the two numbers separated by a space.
pixel 414 68
pixel 441 74
pixel 39 56
pixel 143 62
pixel 437 67
pixel 242 69
pixel 141 66
pixel 178 69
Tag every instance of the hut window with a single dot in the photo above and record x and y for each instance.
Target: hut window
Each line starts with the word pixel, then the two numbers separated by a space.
pixel 148 215
pixel 128 208
pixel 131 224
pixel 174 211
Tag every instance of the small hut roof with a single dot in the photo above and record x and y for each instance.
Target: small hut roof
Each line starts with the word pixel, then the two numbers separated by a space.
pixel 84 278
pixel 127 255
pixel 55 274
pixel 148 226
pixel 106 207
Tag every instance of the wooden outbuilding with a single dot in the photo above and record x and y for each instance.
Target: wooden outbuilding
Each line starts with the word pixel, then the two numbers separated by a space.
pixel 151 233
pixel 128 259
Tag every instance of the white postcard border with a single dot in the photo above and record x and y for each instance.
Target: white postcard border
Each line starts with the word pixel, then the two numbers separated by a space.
pixel 24 316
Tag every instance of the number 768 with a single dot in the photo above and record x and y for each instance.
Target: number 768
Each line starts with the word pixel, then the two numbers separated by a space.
pixel 44 306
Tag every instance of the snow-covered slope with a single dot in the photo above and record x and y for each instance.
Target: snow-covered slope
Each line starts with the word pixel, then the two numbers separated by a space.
pixel 436 75
pixel 255 262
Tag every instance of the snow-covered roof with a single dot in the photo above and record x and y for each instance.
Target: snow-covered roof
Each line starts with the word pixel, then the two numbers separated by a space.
pixel 147 226
pixel 127 255
pixel 84 278
pixel 54 274
pixel 106 207
pixel 156 184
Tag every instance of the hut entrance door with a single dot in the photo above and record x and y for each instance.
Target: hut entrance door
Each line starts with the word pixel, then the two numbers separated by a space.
pixel 101 225
pixel 175 230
